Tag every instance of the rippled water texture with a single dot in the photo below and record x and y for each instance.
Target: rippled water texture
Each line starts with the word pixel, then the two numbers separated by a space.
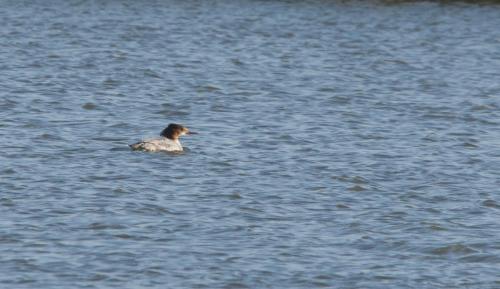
pixel 341 145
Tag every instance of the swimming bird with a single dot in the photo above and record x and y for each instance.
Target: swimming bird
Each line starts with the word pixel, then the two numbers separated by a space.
pixel 168 142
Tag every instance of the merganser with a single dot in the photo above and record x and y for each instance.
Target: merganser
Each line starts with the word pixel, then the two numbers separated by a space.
pixel 169 140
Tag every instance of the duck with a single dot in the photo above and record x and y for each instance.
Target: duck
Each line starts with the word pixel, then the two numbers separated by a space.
pixel 168 141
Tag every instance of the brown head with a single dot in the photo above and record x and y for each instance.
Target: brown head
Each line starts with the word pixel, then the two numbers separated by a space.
pixel 173 131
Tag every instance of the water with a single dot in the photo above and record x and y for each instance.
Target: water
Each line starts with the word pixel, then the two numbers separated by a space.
pixel 341 145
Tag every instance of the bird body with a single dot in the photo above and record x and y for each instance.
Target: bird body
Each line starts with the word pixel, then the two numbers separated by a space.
pixel 157 145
